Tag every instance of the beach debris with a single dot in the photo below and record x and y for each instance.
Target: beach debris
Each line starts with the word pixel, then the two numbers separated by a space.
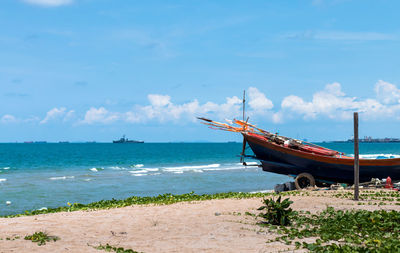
pixel 288 186
pixel 376 181
pixel 8 202
pixel 388 184
pixel 217 214
pixel 336 187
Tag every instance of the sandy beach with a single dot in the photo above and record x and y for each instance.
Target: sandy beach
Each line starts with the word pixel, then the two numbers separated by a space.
pixel 204 226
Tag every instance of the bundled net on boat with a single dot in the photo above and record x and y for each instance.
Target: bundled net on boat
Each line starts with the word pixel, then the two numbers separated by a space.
pixel 240 126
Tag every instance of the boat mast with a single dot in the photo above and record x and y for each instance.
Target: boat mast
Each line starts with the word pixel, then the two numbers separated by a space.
pixel 244 103
pixel 244 127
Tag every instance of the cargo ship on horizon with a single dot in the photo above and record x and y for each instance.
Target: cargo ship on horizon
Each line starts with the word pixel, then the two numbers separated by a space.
pixel 369 139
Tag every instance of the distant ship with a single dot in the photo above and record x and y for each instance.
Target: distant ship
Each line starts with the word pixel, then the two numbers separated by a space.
pixel 126 140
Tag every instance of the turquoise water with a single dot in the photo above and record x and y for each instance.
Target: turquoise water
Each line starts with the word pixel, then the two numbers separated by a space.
pixel 33 176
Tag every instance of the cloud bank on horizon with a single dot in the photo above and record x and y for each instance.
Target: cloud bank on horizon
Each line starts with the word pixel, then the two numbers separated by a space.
pixel 330 103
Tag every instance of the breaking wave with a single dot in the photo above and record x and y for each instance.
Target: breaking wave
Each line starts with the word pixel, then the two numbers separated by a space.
pixel 378 156
pixel 62 178
pixel 190 168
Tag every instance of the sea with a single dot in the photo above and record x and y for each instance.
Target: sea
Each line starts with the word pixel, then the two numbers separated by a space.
pixel 44 175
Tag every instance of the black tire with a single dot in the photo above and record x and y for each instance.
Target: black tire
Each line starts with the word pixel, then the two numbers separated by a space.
pixel 304 180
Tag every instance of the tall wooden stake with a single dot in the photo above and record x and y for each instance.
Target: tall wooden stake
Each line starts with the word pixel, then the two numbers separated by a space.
pixel 356 158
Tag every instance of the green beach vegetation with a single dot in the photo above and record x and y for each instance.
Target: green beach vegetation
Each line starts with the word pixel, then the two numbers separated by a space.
pixel 333 230
pixel 164 199
pixel 110 248
pixel 41 238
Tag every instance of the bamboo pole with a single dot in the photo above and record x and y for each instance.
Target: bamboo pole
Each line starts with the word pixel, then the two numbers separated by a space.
pixel 356 158
pixel 244 103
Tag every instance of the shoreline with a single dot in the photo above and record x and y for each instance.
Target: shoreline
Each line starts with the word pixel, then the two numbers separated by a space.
pixel 213 225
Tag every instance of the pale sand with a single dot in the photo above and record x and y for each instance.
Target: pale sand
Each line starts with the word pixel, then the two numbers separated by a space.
pixel 206 226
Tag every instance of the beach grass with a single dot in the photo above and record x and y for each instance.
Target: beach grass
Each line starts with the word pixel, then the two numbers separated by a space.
pixel 163 199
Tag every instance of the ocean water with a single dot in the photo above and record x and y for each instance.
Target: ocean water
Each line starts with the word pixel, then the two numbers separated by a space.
pixel 33 176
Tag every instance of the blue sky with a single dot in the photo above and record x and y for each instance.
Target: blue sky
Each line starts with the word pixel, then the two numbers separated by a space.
pixel 84 70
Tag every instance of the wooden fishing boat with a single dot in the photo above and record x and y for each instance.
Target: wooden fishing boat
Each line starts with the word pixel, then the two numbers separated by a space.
pixel 307 162
pixel 322 164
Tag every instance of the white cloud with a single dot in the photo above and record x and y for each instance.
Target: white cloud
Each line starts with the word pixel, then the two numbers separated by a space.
pixel 298 105
pixel 32 119
pixel 53 114
pixel 7 118
pixel 328 103
pixel 258 101
pixel 333 103
pixel 100 115
pixel 69 115
pixel 162 109
pixel 49 3
pixel 387 93
pixel 277 117
pixel 159 100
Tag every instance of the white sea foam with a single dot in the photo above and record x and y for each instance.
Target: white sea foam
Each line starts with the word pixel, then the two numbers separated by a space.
pixel 248 163
pixel 152 169
pixel 188 168
pixel 3 179
pixel 87 179
pixel 378 156
pixel 138 171
pixel 138 165
pixel 227 168
pixel 198 171
pixel 94 169
pixel 61 178
pixel 139 175
pixel 6 168
pixel 178 172
pixel 41 209
pixel 117 168
pixel 155 174
pixel 263 191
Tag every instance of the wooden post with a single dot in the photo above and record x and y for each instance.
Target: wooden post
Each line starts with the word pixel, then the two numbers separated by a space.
pixel 356 158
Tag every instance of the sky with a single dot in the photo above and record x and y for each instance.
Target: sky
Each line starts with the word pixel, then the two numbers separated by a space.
pixel 93 70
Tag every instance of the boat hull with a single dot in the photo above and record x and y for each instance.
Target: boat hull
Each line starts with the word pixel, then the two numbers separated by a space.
pixel 282 160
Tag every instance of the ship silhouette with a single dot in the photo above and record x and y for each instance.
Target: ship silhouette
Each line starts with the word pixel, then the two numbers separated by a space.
pixel 126 140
